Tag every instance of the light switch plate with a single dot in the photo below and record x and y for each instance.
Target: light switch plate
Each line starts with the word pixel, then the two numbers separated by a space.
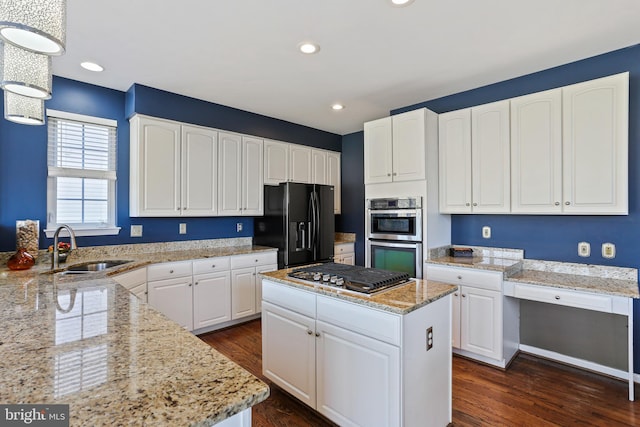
pixel 238 227
pixel 608 250
pixel 584 249
pixel 486 232
pixel 136 231
pixel 183 228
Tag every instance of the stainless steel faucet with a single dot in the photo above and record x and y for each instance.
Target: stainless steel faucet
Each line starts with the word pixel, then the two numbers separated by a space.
pixel 55 255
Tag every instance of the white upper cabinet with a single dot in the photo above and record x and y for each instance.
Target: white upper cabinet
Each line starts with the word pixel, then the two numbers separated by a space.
pixel 240 175
pixel 490 158
pixel 276 162
pixel 319 166
pixel 172 169
pixel 394 148
pixel 595 146
pixel 536 153
pixel 333 178
pixel 300 163
pixel 454 144
pixel 199 171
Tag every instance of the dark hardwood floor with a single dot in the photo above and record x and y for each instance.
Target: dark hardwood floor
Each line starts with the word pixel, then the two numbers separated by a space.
pixel 533 392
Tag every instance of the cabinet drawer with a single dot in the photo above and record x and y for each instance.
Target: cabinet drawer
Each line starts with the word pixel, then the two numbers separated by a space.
pixel 363 320
pixel 254 259
pixel 297 300
pixel 211 265
pixel 564 297
pixel 168 270
pixel 343 248
pixel 489 280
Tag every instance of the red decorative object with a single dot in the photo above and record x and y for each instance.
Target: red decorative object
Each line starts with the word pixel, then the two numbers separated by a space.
pixel 21 260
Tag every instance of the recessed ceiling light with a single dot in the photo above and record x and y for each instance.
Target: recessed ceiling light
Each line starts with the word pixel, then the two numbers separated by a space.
pixel 92 66
pixel 308 48
pixel 337 107
pixel 400 3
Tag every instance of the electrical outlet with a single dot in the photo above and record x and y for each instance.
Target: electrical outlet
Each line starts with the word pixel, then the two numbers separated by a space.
pixel 486 232
pixel 608 250
pixel 239 227
pixel 429 338
pixel 584 249
pixel 136 231
pixel 183 228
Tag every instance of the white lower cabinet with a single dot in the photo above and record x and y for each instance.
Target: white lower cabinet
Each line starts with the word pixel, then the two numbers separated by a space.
pixel 344 253
pixel 479 314
pixel 357 365
pixel 204 293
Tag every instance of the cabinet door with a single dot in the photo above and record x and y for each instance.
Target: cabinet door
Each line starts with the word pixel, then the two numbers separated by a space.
pixel 377 151
pixel 155 168
pixel 229 174
pixel 211 299
pixel 481 322
pixel 333 178
pixel 349 258
pixel 595 146
pixel 300 169
pixel 319 167
pixel 276 162
pixel 289 352
pixel 173 298
pixel 490 158
pixel 536 153
pixel 252 176
pixel 358 378
pixel 454 142
pixel 199 171
pixel 262 269
pixel 243 292
pixel 455 319
pixel 409 150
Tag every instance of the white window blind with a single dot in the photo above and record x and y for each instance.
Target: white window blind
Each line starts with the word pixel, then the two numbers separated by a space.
pixel 82 171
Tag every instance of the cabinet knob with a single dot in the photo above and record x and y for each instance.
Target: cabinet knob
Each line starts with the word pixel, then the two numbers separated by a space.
pixel 464 296
pixel 455 294
pixel 309 332
pixel 256 260
pixel 468 204
pixel 170 271
pixel 567 203
pixel 395 173
pixel 213 266
pixel 557 296
pixel 475 204
pixel 318 334
pixel 189 284
pixel 178 208
pixel 184 209
pixel 459 277
pixel 557 203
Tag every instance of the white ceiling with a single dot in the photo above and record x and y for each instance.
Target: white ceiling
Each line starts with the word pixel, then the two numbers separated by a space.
pixel 373 57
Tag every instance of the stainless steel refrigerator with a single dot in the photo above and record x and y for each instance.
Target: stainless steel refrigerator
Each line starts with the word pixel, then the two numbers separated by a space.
pixel 299 221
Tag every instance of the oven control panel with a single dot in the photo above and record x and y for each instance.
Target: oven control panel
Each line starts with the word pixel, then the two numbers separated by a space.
pixel 395 203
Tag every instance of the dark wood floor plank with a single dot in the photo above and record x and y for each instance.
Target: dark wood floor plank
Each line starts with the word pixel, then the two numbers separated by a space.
pixel 532 392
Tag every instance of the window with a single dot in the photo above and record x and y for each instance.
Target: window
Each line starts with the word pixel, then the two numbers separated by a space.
pixel 81 184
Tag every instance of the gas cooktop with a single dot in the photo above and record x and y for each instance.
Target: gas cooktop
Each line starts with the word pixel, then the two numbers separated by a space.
pixel 352 278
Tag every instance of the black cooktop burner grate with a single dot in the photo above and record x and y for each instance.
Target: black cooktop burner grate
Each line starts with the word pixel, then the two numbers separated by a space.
pixel 351 277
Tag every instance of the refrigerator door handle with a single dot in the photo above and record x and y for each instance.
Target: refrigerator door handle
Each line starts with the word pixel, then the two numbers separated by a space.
pixel 311 218
pixel 314 219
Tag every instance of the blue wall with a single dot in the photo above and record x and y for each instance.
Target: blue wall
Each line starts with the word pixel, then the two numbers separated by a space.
pixel 23 158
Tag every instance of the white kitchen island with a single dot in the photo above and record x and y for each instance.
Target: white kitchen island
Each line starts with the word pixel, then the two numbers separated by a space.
pixel 361 360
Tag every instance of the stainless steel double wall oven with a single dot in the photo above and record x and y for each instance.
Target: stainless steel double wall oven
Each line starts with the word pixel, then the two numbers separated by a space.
pixel 394 234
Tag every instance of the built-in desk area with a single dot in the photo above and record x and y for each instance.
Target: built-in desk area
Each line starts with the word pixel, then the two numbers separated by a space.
pixel 535 294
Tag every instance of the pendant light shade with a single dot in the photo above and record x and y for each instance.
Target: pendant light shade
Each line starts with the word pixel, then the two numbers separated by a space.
pixel 22 109
pixel 35 25
pixel 25 73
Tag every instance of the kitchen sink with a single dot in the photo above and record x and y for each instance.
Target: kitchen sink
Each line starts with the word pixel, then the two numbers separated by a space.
pixel 94 266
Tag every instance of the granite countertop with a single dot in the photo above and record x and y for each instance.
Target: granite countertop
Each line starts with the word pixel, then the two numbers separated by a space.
pixel 615 281
pixel 399 300
pixel 86 341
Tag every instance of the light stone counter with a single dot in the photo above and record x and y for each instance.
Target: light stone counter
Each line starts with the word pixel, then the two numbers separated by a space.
pixel 400 300
pixel 86 341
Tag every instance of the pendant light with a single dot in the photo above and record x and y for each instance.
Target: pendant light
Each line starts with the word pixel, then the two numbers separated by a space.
pixel 24 72
pixel 23 109
pixel 34 25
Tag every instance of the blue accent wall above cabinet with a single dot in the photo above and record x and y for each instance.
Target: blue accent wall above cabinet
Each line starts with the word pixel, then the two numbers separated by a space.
pixel 23 158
